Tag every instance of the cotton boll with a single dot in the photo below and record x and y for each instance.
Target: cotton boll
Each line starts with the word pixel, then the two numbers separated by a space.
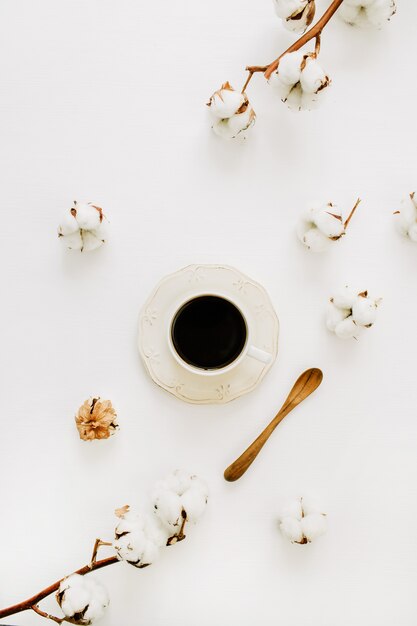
pixel 344 298
pixel 294 98
pixel 194 502
pixel 315 240
pixel 241 122
pixel 285 8
pixel 180 497
pixel 291 528
pixel 346 329
pixel 313 78
pixel 367 13
pixel 302 521
pixel 364 311
pixel 68 224
pixel 289 68
pixel 335 316
pixel 329 221
pixel 225 102
pixel 88 216
pixel 73 241
pixel 82 227
pixel 234 126
pixel 313 525
pixel 168 507
pixel 406 216
pixel 296 15
pixel 139 539
pixel 82 599
pixel 91 240
pixel 349 13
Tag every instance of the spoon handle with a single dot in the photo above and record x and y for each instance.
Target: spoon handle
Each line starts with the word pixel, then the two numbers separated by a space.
pixel 303 387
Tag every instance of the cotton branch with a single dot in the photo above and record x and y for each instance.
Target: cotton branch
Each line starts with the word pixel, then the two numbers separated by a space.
pixel 314 32
pixel 32 603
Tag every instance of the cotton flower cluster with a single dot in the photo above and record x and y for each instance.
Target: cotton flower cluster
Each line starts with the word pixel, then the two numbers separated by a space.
pixel 139 538
pixel 179 498
pixel 300 80
pixel 82 227
pixel 231 112
pixel 296 15
pixel 82 599
pixel 349 312
pixel 302 522
pixel 322 225
pixel 367 13
pixel 407 217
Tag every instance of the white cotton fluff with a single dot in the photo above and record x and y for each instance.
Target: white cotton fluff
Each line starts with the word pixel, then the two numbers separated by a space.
pixel 231 112
pixel 82 598
pixel 302 522
pixel 320 226
pixel 139 539
pixel 367 13
pixel 406 217
pixel 349 312
pixel 296 15
pixel 83 227
pixel 299 80
pixel 180 496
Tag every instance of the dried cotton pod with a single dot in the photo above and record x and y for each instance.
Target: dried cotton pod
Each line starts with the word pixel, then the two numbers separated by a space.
pixel 96 419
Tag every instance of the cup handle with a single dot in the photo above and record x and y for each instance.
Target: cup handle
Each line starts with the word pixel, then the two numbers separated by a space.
pixel 259 355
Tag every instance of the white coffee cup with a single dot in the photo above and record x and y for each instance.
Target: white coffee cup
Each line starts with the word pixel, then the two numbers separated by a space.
pixel 248 351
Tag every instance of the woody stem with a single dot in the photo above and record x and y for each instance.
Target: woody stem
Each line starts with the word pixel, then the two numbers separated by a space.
pixel 346 224
pixel 37 610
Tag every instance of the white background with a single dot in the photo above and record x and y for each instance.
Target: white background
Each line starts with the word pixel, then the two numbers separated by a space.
pixel 103 100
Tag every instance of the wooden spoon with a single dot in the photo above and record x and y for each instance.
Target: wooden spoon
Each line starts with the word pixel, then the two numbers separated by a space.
pixel 303 387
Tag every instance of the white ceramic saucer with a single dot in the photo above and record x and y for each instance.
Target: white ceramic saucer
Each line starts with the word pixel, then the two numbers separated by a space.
pixel 154 330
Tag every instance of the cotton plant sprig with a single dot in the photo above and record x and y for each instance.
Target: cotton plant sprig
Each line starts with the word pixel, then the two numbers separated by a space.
pixel 302 521
pixel 296 76
pixel 406 217
pixel 139 538
pixel 350 312
pixel 322 225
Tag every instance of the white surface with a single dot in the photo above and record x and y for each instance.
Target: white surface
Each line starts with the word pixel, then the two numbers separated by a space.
pixel 104 100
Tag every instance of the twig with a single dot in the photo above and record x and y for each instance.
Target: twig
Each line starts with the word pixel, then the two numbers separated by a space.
pixel 314 32
pixel 96 548
pixel 346 224
pixel 37 610
pixel 31 603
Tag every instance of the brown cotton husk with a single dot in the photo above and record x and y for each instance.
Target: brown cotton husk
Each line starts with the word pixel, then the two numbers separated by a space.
pixel 96 419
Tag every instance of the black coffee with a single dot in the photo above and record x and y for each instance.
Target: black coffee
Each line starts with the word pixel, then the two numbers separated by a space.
pixel 208 332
